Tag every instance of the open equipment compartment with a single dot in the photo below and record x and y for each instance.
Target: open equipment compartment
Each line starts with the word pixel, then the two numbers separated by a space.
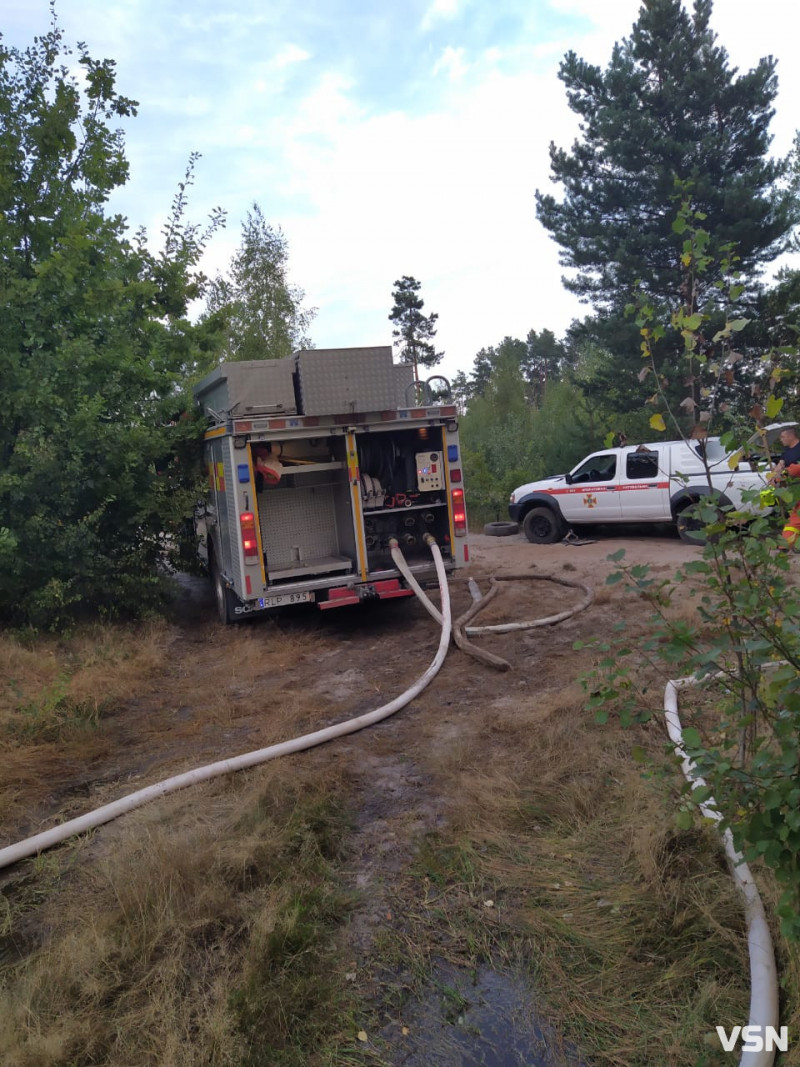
pixel 404 493
pixel 305 518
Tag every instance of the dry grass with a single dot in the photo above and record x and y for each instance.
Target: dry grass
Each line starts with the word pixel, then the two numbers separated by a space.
pixel 208 939
pixel 210 928
pixel 94 669
pixel 631 928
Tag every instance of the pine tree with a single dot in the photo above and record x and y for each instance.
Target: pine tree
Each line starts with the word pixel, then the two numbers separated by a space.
pixel 667 108
pixel 414 331
pixel 668 119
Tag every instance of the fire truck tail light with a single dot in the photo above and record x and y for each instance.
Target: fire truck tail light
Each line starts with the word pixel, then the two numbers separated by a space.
pixel 459 512
pixel 247 525
pixel 455 474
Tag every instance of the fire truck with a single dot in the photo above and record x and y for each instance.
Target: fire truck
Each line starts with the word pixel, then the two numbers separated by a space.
pixel 318 466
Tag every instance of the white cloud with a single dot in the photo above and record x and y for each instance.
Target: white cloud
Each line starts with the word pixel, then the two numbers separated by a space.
pixel 438 11
pixel 291 54
pixel 451 62
pixel 446 197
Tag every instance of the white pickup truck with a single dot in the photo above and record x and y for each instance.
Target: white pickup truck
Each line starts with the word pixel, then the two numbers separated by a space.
pixel 652 483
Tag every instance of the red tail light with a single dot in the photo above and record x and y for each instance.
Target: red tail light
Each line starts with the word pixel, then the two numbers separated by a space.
pixel 247 525
pixel 459 512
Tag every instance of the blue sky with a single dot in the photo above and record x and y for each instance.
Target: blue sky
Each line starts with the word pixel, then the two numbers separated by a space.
pixel 384 138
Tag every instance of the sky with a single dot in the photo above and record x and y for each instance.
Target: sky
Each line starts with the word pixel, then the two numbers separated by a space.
pixel 389 138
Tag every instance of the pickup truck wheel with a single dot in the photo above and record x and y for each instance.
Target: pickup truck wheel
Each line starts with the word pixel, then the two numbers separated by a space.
pixel 543 527
pixel 222 595
pixel 690 528
pixel 501 529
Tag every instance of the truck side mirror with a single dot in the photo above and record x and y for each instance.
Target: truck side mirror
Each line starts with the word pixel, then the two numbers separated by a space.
pixel 568 479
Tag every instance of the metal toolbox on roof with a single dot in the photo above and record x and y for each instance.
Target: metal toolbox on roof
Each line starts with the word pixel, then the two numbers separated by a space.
pixel 404 376
pixel 249 387
pixel 338 381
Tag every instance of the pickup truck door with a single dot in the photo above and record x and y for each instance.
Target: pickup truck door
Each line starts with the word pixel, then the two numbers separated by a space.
pixel 591 494
pixel 643 483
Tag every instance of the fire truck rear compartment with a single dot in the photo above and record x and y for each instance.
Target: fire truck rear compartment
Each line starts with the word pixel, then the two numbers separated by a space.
pixel 307 521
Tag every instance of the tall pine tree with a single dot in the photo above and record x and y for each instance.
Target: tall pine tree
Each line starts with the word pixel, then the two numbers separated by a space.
pixel 414 332
pixel 668 115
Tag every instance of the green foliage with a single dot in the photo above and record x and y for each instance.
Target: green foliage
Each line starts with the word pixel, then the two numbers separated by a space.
pixel 262 312
pixel 743 639
pixel 414 331
pixel 96 344
pixel 745 644
pixel 534 442
pixel 525 389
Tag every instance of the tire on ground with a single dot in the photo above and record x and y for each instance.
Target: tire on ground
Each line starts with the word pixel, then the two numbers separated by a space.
pixel 542 526
pixel 692 529
pixel 501 529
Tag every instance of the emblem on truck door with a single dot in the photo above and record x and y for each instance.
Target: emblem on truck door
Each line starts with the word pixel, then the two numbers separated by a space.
pixel 590 500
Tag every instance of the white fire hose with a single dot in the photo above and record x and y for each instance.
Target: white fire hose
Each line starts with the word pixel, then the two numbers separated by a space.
pixel 763 972
pixel 33 845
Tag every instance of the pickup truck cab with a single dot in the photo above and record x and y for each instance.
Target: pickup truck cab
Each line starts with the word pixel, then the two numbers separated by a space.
pixel 649 483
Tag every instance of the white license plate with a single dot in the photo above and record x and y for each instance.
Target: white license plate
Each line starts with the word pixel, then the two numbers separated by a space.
pixel 280 599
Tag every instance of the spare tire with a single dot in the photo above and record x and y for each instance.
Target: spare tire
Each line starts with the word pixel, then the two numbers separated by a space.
pixel 501 529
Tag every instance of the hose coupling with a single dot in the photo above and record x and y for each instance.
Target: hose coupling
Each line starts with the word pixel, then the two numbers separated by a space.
pixel 429 539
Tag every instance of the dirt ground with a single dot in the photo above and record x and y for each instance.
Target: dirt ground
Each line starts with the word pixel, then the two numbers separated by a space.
pixel 345 663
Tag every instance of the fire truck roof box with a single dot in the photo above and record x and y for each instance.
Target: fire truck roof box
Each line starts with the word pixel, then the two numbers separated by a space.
pixel 249 387
pixel 338 381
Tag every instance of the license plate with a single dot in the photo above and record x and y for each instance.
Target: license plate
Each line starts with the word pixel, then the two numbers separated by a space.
pixel 280 599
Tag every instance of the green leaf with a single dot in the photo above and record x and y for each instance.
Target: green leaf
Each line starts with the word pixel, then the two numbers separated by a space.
pixel 774 405
pixel 738 324
pixel 684 820
pixel 657 422
pixel 691 737
pixel 700 794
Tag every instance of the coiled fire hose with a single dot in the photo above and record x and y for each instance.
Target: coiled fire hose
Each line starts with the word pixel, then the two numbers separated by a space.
pixel 460 628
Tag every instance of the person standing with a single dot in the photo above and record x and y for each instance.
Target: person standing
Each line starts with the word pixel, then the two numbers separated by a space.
pixel 789 464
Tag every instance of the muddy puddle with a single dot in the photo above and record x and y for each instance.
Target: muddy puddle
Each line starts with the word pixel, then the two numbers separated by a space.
pixel 464 1018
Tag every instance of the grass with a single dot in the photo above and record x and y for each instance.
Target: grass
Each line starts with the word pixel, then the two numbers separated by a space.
pixel 209 938
pixel 212 928
pixel 563 864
